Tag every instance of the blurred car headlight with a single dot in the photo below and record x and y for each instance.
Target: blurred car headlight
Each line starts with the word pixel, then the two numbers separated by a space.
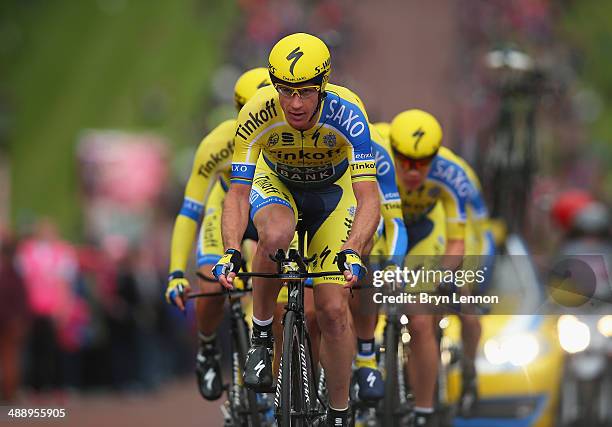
pixel 574 335
pixel 519 350
pixel 604 326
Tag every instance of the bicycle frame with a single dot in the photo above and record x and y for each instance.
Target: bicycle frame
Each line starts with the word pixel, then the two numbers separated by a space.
pixel 292 270
pixel 237 410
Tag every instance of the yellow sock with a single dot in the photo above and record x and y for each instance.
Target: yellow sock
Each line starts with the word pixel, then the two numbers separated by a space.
pixel 365 361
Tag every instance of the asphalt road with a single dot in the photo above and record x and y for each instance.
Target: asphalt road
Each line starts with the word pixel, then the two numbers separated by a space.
pixel 175 404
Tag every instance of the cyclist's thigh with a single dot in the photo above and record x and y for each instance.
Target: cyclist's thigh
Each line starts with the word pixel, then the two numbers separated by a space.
pixel 273 207
pixel 328 232
pixel 210 242
pixel 427 238
pixel 376 250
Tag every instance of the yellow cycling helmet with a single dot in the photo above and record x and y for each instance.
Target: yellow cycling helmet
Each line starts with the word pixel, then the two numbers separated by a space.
pixel 300 58
pixel 248 83
pixel 415 134
pixel 383 128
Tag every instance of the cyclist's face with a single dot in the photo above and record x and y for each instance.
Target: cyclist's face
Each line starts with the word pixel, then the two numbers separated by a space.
pixel 411 175
pixel 300 109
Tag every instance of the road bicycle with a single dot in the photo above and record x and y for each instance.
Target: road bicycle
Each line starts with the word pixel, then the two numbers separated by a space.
pixel 242 407
pixel 296 400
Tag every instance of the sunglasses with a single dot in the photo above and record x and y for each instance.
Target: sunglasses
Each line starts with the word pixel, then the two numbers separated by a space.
pixel 409 163
pixel 303 92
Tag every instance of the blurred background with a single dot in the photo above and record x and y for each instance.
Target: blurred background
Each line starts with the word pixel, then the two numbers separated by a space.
pixel 103 103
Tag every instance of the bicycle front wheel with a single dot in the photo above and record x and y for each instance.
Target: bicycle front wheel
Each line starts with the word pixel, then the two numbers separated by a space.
pixel 291 408
pixel 391 399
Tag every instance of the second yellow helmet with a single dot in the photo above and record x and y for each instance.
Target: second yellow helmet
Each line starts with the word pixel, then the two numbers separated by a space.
pixel 248 83
pixel 415 134
pixel 383 128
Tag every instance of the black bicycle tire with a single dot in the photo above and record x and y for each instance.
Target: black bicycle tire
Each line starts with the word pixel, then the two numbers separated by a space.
pixel 289 395
pixel 391 398
pixel 242 344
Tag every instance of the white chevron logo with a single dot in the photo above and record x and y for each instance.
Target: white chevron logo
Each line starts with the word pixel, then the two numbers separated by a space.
pixel 209 377
pixel 259 367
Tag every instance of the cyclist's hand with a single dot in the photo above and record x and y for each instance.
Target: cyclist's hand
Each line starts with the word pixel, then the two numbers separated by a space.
pixel 349 263
pixel 177 290
pixel 226 268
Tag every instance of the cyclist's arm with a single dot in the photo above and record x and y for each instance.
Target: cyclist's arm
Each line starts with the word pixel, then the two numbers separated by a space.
pixel 454 208
pixel 396 236
pixel 367 215
pixel 363 177
pixel 235 215
pixel 236 206
pixel 186 223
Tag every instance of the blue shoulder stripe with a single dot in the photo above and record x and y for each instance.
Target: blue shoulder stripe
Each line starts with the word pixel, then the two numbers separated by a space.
pixel 347 118
pixel 453 177
pixel 385 173
pixel 191 209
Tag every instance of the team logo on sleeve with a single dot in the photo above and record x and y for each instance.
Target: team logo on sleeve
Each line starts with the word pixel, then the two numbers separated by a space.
pixel 330 140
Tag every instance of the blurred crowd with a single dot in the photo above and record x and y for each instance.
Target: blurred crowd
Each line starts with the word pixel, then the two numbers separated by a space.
pixel 79 317
pixel 265 21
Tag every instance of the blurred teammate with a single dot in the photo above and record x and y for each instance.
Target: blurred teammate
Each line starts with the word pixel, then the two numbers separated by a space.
pixel 435 192
pixel 389 245
pixel 204 193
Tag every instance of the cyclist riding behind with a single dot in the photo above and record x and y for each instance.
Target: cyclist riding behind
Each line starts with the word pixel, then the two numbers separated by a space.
pixel 435 191
pixel 389 246
pixel 204 192
pixel 316 160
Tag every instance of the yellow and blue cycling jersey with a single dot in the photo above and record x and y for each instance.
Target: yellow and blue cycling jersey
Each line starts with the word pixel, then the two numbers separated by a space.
pixel 315 158
pixel 311 172
pixel 210 245
pixel 395 235
pixel 448 182
pixel 212 163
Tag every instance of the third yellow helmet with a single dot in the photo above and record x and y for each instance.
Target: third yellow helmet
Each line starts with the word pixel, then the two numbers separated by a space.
pixel 415 134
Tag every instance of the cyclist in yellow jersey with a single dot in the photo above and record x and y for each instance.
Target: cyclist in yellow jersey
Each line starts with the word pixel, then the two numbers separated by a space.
pixel 204 192
pixel 389 246
pixel 316 159
pixel 435 193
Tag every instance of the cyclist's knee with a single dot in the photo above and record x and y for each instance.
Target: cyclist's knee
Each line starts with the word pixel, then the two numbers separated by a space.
pixel 421 327
pixel 332 316
pixel 209 283
pixel 275 234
